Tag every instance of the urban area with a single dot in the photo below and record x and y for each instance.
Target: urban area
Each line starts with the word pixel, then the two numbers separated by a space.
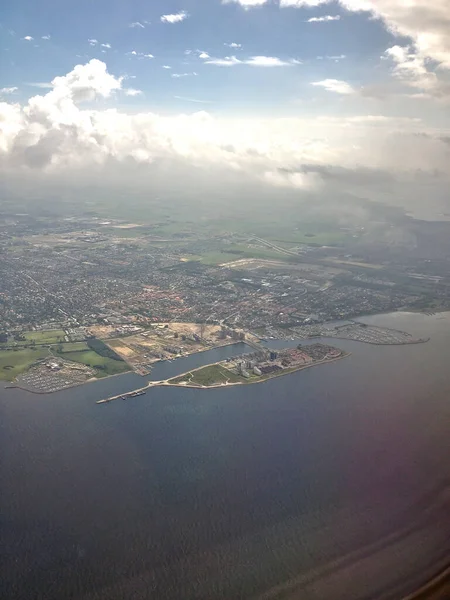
pixel 83 297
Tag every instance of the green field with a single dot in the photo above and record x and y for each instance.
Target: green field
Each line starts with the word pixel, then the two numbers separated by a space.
pixel 215 258
pixel 15 362
pixel 238 251
pixel 322 238
pixel 210 375
pixel 245 251
pixel 51 336
pixel 105 366
pixel 72 346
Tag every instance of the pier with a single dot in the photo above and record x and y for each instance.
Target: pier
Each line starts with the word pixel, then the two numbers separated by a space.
pixel 133 394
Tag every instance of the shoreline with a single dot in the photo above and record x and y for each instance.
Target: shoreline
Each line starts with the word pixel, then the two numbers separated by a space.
pixel 157 361
pixel 249 342
pixel 167 382
pixel 335 337
pixel 15 386
pixel 260 379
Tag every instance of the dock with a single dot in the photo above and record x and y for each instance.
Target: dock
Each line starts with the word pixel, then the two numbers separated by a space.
pixel 133 394
pixel 125 396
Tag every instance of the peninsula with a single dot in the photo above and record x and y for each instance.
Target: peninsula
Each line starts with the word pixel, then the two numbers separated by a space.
pixel 251 368
pixel 258 366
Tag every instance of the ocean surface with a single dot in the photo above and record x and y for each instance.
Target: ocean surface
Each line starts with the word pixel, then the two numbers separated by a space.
pixel 332 483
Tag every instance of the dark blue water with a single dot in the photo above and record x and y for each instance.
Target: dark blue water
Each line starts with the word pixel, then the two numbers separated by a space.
pixel 166 369
pixel 334 479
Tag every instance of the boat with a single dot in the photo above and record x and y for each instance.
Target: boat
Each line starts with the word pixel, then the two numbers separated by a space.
pixel 135 394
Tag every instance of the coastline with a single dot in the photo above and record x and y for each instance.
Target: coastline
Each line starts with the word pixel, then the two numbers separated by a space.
pixel 167 382
pixel 260 379
pixel 299 402
pixel 250 341
pixel 14 386
pixel 347 339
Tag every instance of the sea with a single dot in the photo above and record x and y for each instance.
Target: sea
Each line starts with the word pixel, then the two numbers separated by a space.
pixel 332 483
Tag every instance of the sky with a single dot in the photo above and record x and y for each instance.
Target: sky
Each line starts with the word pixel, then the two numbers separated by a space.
pixel 304 94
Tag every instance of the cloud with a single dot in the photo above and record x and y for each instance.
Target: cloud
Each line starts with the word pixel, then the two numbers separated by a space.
pixel 335 57
pixel 136 24
pixel 83 83
pixel 178 75
pixel 106 46
pixel 203 55
pixel 9 90
pixel 228 61
pixel 28 38
pixel 41 84
pixel 246 3
pixel 412 70
pixel 166 67
pixel 426 23
pixel 335 85
pixel 140 55
pixel 303 3
pixel 56 136
pixel 192 100
pixel 93 42
pixel 233 45
pixel 269 61
pixel 132 92
pixel 324 19
pixel 45 37
pixel 175 18
pixel 253 61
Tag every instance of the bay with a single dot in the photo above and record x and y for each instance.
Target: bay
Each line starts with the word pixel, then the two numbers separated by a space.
pixel 332 482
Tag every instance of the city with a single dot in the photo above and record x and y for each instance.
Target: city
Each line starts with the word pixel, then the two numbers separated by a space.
pixel 154 292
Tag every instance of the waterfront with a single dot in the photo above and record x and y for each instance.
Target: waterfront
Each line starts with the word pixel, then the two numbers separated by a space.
pixel 213 495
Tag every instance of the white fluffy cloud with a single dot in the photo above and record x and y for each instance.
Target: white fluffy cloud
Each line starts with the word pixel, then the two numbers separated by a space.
pixel 425 22
pixel 246 3
pixel 411 70
pixel 335 85
pixel 253 61
pixel 140 55
pixel 179 75
pixel 302 3
pixel 57 135
pixel 175 18
pixel 324 19
pixel 8 90
pixel 132 92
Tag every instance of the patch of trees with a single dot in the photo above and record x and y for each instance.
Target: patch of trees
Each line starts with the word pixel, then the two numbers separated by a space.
pixel 102 349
